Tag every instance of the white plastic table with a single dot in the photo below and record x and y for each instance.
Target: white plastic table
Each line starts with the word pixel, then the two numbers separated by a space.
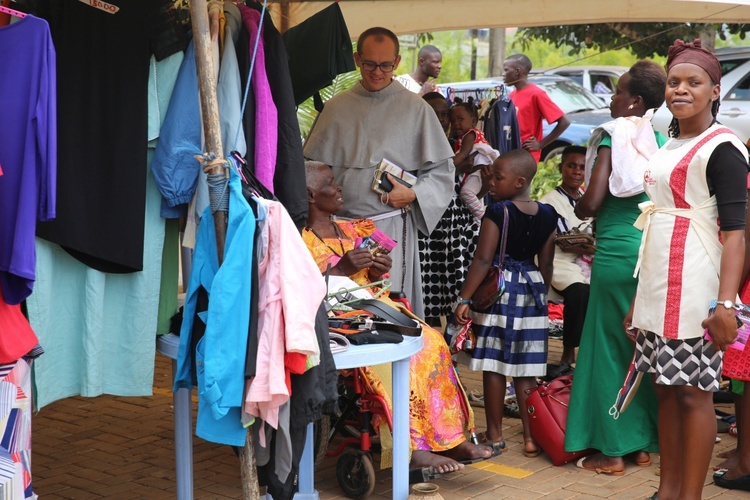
pixel 168 345
pixel 354 357
pixel 370 355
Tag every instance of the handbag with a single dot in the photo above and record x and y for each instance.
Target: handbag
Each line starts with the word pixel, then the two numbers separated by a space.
pixel 460 338
pixel 547 406
pixel 628 390
pixel 492 286
pixel 736 363
pixel 575 237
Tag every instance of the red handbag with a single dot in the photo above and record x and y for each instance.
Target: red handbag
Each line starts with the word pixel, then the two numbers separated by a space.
pixel 547 406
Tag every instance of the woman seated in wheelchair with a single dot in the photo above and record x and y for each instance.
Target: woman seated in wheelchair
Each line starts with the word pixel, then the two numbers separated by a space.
pixel 439 412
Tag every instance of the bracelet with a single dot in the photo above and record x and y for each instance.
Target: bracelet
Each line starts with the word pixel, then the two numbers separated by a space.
pixel 387 198
pixel 464 301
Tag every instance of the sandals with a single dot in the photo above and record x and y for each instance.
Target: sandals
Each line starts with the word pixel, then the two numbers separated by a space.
pixel 637 458
pixel 599 470
pixel 510 408
pixel 732 429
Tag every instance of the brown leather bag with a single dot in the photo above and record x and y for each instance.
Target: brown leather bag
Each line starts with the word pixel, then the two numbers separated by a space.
pixel 577 237
pixel 492 286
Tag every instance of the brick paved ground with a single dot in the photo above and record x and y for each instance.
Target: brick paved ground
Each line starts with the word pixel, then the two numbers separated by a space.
pixel 115 447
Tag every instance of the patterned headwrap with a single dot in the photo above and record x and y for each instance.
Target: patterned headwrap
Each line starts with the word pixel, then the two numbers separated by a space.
pixel 693 53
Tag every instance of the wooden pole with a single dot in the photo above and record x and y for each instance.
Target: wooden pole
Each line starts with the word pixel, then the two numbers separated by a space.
pixel 209 106
pixel 212 132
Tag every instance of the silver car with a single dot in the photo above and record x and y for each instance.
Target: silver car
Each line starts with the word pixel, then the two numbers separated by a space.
pixel 601 80
pixel 735 94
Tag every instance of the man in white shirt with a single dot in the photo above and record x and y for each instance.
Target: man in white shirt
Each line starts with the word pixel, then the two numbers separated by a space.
pixel 429 66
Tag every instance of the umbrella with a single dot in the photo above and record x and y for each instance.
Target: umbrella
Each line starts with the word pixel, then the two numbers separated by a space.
pixel 627 392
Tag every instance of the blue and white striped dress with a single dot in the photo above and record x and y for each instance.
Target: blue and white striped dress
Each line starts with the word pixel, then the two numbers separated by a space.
pixel 512 334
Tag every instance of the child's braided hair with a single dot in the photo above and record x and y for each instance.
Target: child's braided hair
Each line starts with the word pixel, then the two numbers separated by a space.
pixel 468 106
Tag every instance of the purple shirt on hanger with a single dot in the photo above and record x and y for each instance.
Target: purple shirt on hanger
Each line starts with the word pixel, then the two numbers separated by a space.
pixel 28 149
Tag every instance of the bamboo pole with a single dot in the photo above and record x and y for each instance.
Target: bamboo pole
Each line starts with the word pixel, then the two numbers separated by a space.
pixel 212 132
pixel 209 105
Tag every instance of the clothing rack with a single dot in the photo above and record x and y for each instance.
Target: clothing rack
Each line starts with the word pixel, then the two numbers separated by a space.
pixel 496 90
pixel 212 133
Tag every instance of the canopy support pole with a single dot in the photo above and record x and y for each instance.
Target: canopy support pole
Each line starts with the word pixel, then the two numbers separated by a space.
pixel 212 132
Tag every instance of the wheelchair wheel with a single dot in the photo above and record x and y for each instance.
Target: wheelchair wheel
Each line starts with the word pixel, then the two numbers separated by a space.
pixel 322 429
pixel 355 473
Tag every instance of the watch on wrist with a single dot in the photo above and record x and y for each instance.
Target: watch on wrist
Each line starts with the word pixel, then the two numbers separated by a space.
pixel 728 304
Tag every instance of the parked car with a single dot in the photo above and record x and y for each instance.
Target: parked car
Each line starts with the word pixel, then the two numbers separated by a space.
pixel 734 111
pixel 601 80
pixel 583 108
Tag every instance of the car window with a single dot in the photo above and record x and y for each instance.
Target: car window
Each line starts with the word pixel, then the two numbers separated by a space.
pixel 728 65
pixel 741 92
pixel 576 77
pixel 571 97
pixel 601 84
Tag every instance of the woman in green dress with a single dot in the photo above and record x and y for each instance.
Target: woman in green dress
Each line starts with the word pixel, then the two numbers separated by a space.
pixel 605 353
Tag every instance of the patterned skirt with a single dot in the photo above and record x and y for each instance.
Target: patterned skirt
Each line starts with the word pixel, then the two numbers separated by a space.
pixel 512 334
pixel 439 410
pixel 445 257
pixel 692 362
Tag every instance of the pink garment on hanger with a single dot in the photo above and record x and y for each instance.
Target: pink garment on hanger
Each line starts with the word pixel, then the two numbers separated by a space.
pixel 266 114
pixel 291 290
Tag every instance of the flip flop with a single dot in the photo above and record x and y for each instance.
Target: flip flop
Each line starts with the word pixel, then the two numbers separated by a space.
pixel 581 465
pixel 510 408
pixel 476 399
pixel 532 454
pixel 639 463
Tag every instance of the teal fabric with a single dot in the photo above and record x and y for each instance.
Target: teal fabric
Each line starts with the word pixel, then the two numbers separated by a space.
pixel 97 329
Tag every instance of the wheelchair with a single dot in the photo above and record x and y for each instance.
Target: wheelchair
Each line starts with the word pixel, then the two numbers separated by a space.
pixel 359 404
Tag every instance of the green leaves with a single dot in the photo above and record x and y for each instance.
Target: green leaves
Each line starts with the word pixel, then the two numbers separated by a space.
pixel 306 113
pixel 644 40
pixel 547 178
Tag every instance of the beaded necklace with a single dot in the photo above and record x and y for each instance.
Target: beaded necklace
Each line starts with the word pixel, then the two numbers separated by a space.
pixel 338 234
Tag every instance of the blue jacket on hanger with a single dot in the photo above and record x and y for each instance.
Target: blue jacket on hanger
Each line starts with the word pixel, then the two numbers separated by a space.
pixel 220 354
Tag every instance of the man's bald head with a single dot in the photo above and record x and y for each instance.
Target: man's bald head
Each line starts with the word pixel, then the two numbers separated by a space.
pixel 428 50
pixel 430 61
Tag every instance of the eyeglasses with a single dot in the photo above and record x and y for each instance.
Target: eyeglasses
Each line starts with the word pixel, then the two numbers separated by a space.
pixel 385 67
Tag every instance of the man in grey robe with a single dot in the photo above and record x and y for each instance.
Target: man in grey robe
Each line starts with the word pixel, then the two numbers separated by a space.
pixel 378 118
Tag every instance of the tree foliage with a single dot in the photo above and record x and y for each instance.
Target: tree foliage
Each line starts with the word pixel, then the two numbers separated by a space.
pixel 645 40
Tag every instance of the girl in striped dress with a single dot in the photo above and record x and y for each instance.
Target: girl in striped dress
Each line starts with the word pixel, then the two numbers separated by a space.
pixel 512 333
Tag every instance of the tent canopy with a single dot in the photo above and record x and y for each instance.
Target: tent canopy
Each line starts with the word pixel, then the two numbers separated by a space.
pixel 419 16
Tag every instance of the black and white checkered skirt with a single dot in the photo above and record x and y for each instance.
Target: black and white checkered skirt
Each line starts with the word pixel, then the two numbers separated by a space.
pixel 692 362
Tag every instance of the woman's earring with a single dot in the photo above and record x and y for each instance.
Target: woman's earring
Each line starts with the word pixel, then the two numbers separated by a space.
pixel 631 106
